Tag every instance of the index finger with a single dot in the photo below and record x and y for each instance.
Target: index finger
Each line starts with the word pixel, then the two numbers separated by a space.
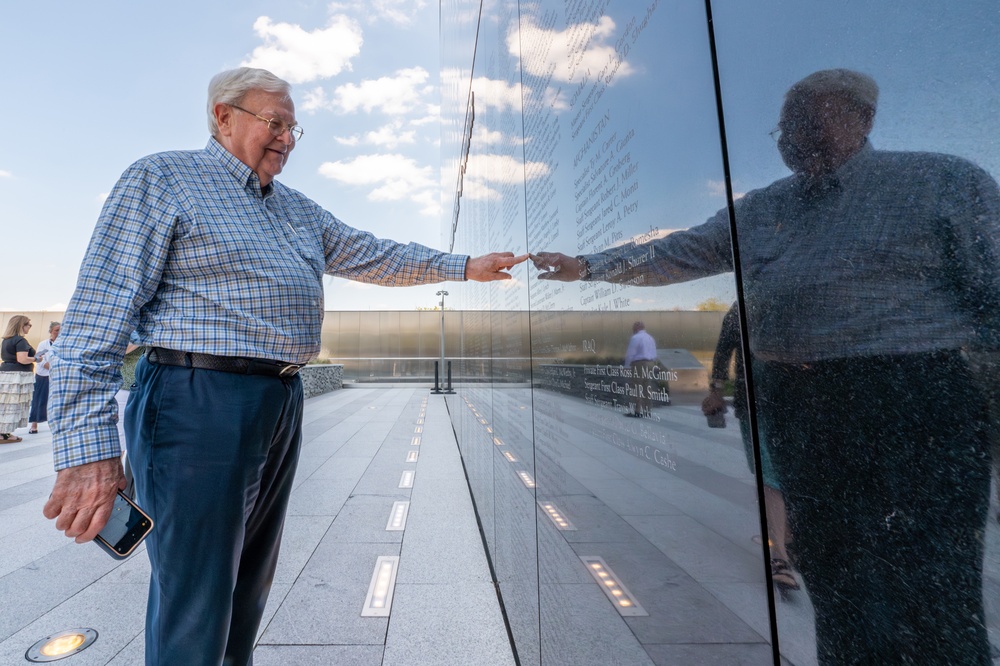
pixel 514 261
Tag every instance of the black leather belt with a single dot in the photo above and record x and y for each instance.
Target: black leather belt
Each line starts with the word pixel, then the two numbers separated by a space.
pixel 234 364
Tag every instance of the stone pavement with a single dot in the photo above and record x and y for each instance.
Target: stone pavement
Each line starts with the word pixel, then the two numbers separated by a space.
pixel 444 609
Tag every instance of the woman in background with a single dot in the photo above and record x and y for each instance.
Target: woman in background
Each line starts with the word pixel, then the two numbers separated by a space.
pixel 16 378
pixel 40 398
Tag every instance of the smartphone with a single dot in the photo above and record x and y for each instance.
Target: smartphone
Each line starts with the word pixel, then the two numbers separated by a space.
pixel 125 529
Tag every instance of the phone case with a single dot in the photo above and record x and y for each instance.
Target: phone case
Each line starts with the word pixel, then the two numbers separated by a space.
pixel 133 536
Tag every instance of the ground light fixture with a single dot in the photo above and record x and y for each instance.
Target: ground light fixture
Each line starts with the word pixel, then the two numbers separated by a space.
pixel 557 517
pixel 397 517
pixel 61 645
pixel 612 586
pixel 406 479
pixel 526 479
pixel 378 603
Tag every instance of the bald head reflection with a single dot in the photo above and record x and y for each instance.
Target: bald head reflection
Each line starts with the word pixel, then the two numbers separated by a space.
pixel 826 119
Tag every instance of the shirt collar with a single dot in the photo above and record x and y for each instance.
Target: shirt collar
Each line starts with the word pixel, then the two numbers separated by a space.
pixel 833 181
pixel 240 171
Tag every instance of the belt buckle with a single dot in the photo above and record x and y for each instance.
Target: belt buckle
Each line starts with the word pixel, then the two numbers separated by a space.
pixel 289 370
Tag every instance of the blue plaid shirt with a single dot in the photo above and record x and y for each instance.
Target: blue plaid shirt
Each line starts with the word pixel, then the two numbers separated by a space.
pixel 190 254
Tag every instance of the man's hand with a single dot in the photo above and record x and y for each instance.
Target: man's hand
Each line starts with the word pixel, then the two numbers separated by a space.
pixel 83 497
pixel 557 266
pixel 713 404
pixel 491 266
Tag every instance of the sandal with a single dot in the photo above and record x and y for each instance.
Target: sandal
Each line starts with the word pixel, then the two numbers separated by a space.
pixel 7 438
pixel 32 432
pixel 782 576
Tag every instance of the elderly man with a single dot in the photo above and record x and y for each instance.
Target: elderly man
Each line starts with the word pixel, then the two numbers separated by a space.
pixel 868 278
pixel 218 269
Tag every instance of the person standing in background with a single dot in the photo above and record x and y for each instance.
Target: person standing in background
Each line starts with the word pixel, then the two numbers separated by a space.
pixel 641 358
pixel 16 378
pixel 40 397
pixel 714 405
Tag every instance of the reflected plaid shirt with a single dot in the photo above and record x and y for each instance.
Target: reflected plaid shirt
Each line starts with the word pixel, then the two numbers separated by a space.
pixel 894 253
pixel 190 254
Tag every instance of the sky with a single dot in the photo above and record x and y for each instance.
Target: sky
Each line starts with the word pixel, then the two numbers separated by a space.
pixel 91 87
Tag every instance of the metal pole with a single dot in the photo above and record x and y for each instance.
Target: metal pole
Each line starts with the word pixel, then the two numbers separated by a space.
pixel 442 294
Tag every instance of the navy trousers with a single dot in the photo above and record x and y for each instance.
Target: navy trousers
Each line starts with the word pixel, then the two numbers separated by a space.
pixel 214 456
pixel 885 466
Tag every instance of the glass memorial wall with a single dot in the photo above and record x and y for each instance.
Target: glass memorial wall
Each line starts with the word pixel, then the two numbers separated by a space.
pixel 646 154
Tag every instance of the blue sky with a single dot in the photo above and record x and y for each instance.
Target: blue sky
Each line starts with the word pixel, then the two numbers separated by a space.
pixel 91 87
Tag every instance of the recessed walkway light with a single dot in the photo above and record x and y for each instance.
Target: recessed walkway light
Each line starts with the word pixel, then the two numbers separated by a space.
pixel 415 441
pixel 509 456
pixel 406 479
pixel 61 645
pixel 379 599
pixel 557 517
pixel 397 517
pixel 420 421
pixel 498 441
pixel 612 587
pixel 418 429
pixel 526 479
pixel 411 456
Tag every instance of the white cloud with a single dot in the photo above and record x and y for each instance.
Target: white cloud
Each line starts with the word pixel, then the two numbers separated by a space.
pixel 388 136
pixel 483 136
pixel 400 12
pixel 485 170
pixel 495 94
pixel 391 177
pixel 298 55
pixel 6 174
pixel 402 93
pixel 568 63
pixel 717 189
pixel 393 95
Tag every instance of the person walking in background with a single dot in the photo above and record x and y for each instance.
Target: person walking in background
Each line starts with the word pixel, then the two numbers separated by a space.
pixel 641 358
pixel 217 268
pixel 869 278
pixel 40 397
pixel 778 533
pixel 16 378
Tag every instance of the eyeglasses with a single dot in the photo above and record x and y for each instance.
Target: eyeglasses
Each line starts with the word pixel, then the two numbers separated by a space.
pixel 275 126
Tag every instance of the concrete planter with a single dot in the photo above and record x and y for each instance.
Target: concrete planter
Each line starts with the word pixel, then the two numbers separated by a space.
pixel 321 378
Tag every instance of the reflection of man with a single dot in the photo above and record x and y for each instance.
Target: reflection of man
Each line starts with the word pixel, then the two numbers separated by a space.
pixel 219 270
pixel 641 358
pixel 867 276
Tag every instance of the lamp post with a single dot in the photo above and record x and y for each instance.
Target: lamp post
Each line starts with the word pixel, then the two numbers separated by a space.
pixel 442 294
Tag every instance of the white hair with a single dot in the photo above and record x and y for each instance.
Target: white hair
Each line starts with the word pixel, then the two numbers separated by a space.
pixel 231 86
pixel 859 88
